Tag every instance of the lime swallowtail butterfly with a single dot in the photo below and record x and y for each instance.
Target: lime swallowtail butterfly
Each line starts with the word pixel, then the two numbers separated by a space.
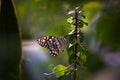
pixel 55 44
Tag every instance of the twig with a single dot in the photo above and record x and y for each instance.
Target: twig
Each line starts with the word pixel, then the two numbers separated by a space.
pixel 75 49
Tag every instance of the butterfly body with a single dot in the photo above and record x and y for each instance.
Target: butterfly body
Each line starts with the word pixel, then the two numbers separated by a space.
pixel 55 44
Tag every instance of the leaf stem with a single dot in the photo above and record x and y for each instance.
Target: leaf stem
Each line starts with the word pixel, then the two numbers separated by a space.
pixel 75 48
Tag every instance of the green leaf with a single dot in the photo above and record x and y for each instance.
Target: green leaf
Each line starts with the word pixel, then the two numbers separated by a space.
pixel 81 37
pixel 82 48
pixel 71 39
pixel 72 27
pixel 86 23
pixel 83 16
pixel 79 48
pixel 71 59
pixel 70 49
pixel 83 22
pixel 80 24
pixel 82 57
pixel 51 66
pixel 60 70
pixel 70 20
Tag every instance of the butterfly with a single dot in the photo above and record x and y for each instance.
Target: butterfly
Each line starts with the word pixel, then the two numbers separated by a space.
pixel 55 44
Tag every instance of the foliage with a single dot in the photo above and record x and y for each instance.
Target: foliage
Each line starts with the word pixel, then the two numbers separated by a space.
pixel 39 15
pixel 77 51
pixel 59 70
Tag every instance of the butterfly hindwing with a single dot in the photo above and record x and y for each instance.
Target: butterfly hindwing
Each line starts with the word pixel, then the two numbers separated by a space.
pixel 54 44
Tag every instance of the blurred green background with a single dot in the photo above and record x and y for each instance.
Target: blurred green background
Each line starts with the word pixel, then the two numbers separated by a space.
pixel 43 17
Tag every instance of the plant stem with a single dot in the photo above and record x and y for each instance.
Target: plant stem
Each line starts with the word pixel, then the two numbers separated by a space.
pixel 75 49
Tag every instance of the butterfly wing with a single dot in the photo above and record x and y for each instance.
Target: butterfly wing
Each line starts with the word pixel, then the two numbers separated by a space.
pixel 54 44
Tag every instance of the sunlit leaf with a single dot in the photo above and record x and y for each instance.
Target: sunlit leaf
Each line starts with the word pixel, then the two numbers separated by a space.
pixel 82 58
pixel 60 70
pixel 51 66
pixel 72 27
pixel 70 20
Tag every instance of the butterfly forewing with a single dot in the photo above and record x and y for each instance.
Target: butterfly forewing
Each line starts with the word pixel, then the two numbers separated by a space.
pixel 54 44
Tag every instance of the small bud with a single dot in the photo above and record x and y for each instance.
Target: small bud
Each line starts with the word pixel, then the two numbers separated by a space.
pixel 72 32
pixel 80 12
pixel 77 8
pixel 72 12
